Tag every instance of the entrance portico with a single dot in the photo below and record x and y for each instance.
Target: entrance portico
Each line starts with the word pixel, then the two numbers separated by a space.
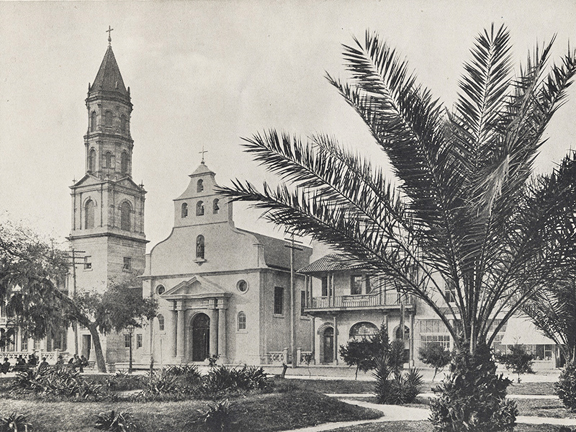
pixel 198 320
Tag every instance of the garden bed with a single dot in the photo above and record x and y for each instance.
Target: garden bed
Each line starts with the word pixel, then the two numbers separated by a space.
pixel 425 426
pixel 251 413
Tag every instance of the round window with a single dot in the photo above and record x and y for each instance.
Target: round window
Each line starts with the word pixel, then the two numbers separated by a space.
pixel 242 286
pixel 160 289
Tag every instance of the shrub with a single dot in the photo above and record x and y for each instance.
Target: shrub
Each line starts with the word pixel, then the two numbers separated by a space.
pixel 566 386
pixel 472 397
pixel 391 386
pixel 222 379
pixel 162 383
pixel 405 388
pixel 217 418
pixel 518 360
pixel 395 388
pixel 365 353
pixel 14 423
pixel 115 422
pixel 59 382
pixel 435 355
pixel 184 370
pixel 123 381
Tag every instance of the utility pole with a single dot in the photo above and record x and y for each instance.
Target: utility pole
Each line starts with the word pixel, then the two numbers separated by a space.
pixel 72 256
pixel 293 348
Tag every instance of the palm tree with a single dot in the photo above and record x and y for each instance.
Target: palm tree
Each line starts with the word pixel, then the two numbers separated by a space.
pixel 458 231
pixel 553 307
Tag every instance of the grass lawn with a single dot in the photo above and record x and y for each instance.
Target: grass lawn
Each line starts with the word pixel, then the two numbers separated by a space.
pixel 532 388
pixel 329 386
pixel 424 426
pixel 543 408
pixel 251 413
pixel 347 386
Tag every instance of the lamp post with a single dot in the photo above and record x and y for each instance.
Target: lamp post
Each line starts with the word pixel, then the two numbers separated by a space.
pixel 130 332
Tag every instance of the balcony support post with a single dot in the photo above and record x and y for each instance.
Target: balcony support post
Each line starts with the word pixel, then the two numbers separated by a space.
pixel 335 340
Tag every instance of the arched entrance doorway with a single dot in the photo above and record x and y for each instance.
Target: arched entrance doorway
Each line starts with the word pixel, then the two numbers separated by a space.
pixel 200 337
pixel 328 345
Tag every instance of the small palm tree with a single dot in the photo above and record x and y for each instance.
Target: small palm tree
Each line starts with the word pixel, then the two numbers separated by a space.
pixel 463 230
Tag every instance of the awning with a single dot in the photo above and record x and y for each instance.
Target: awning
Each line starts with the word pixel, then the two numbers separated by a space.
pixel 521 331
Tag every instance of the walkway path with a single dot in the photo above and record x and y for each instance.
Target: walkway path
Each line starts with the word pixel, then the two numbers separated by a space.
pixel 402 413
pixel 431 395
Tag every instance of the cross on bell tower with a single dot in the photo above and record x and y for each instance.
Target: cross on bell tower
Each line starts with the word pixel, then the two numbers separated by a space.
pixel 109 31
pixel 202 153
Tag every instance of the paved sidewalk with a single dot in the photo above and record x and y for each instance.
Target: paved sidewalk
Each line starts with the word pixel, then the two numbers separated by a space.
pixel 431 395
pixel 403 413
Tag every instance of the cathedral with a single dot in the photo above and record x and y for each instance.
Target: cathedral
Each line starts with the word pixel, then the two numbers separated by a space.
pixel 222 292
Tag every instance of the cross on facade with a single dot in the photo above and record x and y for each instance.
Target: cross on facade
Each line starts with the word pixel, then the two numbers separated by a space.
pixel 202 152
pixel 109 31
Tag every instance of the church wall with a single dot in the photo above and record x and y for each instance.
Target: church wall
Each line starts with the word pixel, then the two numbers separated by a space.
pixel 243 345
pixel 95 277
pixel 303 332
pixel 224 248
pixel 276 327
pixel 118 249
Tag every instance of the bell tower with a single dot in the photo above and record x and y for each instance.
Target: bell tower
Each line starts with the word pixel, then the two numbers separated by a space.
pixel 107 205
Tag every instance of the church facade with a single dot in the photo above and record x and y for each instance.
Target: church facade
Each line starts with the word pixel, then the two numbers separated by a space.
pixel 222 291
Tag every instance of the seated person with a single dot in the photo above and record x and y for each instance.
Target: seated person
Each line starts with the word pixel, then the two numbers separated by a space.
pixel 43 364
pixel 5 366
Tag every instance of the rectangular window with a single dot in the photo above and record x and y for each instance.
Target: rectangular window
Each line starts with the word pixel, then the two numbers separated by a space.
pixel 432 326
pixel 127 264
pixel 24 342
pixel 127 338
pixel 138 341
pixel 324 286
pixel 443 340
pixel 356 284
pixel 87 263
pixel 278 300
pixel 302 302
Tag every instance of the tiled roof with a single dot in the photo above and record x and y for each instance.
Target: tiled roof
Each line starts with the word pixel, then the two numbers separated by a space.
pixel 331 263
pixel 277 252
pixel 109 78
pixel 201 170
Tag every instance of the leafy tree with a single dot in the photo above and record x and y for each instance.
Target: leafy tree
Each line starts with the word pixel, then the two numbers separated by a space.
pixel 31 269
pixel 358 353
pixel 518 360
pixel 32 273
pixel 121 306
pixel 435 355
pixel 464 231
pixel 364 353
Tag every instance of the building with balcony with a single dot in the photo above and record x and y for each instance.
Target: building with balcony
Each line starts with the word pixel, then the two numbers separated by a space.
pixel 345 302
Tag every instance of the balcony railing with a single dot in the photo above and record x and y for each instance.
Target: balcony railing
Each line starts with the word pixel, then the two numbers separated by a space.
pixel 360 301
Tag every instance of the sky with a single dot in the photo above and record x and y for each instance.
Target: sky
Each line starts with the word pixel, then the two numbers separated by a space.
pixel 208 73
